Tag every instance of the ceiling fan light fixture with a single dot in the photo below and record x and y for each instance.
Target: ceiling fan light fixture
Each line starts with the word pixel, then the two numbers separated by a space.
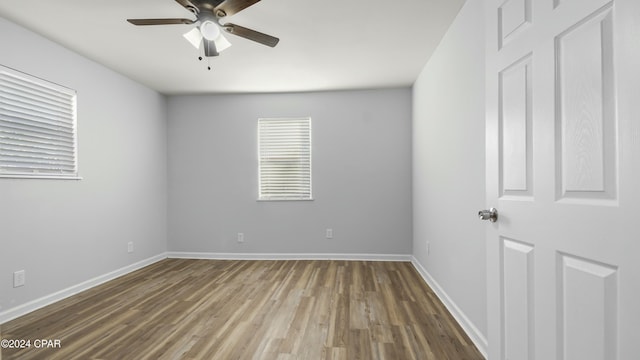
pixel 222 43
pixel 194 37
pixel 209 30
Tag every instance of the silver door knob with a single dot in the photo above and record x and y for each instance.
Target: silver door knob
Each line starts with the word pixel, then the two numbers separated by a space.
pixel 491 215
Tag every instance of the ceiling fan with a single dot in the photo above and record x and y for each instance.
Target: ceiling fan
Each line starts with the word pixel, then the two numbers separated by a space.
pixel 207 31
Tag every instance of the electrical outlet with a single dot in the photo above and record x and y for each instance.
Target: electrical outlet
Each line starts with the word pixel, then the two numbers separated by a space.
pixel 19 278
pixel 329 233
pixel 130 247
pixel 240 237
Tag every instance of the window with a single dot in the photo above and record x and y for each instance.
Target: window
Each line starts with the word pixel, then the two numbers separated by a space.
pixel 284 147
pixel 37 127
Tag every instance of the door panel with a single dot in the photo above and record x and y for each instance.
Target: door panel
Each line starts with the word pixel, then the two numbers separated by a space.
pixel 518 298
pixel 586 137
pixel 587 324
pixel 513 17
pixel 563 170
pixel 516 129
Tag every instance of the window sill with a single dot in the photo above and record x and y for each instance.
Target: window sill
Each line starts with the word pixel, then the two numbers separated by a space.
pixel 52 177
pixel 281 200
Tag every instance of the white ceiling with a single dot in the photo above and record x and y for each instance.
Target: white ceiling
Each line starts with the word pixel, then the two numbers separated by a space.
pixel 324 44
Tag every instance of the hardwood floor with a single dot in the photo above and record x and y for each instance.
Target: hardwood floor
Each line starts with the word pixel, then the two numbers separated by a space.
pixel 210 309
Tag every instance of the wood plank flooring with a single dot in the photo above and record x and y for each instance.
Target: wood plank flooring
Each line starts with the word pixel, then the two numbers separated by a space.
pixel 210 309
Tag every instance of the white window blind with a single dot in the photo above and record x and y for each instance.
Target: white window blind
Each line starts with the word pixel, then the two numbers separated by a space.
pixel 37 127
pixel 284 147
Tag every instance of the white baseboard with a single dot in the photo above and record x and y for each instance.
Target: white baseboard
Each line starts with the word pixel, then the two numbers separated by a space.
pixel 469 328
pixel 287 256
pixel 476 336
pixel 36 304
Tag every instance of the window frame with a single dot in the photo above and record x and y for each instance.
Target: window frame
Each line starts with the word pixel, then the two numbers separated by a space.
pixel 53 129
pixel 280 197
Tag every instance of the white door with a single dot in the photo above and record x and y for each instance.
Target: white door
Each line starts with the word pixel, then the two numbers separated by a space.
pixel 563 171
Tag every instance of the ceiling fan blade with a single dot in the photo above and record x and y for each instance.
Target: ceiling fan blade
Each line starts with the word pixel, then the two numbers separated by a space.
pixel 186 4
pixel 231 7
pixel 210 48
pixel 160 21
pixel 247 33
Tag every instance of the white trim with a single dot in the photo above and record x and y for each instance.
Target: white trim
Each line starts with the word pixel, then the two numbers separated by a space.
pixel 289 199
pixel 479 340
pixel 36 304
pixel 28 176
pixel 287 256
pixel 474 334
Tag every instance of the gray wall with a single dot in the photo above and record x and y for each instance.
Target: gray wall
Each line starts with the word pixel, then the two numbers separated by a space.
pixel 361 174
pixel 448 165
pixel 136 147
pixel 64 232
